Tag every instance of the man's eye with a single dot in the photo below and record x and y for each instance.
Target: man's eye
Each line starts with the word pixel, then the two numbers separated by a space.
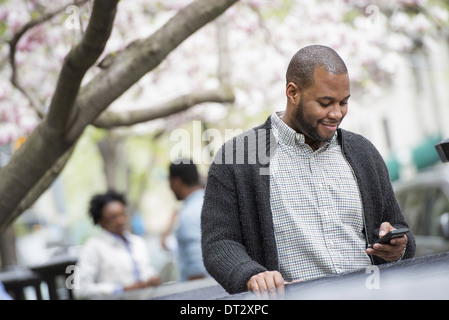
pixel 324 104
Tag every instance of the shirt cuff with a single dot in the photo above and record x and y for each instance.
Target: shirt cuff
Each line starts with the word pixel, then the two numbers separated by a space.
pixel 403 253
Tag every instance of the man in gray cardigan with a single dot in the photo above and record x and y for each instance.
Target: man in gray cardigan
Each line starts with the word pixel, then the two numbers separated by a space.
pixel 298 198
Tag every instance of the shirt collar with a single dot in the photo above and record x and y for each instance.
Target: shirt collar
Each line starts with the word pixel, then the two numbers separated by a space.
pixel 286 135
pixel 282 132
pixel 115 237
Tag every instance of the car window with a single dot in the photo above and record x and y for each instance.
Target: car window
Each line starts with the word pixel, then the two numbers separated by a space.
pixel 413 202
pixel 440 205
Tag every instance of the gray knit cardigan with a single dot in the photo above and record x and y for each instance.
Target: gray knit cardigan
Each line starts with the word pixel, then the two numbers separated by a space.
pixel 236 221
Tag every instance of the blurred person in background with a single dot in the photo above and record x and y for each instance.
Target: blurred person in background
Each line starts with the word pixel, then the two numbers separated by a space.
pixel 115 260
pixel 185 183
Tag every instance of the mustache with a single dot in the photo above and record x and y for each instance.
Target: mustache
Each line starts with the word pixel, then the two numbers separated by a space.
pixel 330 123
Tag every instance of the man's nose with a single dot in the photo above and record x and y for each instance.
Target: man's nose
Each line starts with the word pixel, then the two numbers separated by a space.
pixel 335 112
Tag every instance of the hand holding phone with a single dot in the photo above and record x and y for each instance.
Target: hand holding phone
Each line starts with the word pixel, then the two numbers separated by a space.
pixel 391 235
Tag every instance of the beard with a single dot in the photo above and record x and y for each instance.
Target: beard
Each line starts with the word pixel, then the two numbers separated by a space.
pixel 308 128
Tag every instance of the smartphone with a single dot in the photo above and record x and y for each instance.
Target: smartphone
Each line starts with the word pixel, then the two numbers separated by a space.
pixel 391 235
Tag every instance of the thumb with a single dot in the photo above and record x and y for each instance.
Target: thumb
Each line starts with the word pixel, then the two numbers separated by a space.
pixel 385 227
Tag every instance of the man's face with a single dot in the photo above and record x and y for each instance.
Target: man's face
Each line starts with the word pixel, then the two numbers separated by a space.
pixel 114 218
pixel 319 109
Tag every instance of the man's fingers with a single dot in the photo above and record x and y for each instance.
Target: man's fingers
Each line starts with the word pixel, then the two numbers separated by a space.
pixel 275 285
pixel 254 287
pixel 390 252
pixel 279 282
pixel 401 241
pixel 258 286
pixel 268 284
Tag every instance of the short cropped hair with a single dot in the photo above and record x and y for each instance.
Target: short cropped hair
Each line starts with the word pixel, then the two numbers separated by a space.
pixel 98 202
pixel 186 170
pixel 302 66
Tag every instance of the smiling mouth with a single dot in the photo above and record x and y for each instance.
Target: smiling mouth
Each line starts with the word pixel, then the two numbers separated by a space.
pixel 330 126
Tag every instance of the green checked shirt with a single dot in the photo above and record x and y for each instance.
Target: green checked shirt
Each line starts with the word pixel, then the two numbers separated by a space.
pixel 316 206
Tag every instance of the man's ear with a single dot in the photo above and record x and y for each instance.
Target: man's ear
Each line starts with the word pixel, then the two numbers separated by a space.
pixel 292 92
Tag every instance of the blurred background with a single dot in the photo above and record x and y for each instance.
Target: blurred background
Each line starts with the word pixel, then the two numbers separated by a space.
pixel 396 53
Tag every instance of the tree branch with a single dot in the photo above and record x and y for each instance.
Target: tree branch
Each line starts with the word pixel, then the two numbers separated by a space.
pixel 12 53
pixel 127 66
pixel 79 60
pixel 110 119
pixel 36 191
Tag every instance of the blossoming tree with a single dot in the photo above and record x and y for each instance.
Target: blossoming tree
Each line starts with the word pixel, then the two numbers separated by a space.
pixel 123 69
pixel 74 105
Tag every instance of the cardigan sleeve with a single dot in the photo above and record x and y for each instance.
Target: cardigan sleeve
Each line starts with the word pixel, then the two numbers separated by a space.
pixel 378 197
pixel 393 213
pixel 224 253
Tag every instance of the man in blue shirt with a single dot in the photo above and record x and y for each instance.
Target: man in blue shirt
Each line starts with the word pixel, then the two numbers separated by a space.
pixel 185 184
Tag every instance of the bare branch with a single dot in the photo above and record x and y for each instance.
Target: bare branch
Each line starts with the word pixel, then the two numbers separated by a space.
pixel 224 60
pixel 79 60
pixel 12 53
pixel 110 119
pixel 28 95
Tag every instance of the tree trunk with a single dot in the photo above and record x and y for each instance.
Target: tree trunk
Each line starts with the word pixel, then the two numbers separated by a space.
pixel 8 255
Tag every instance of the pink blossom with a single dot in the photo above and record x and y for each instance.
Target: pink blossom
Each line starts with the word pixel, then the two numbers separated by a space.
pixel 4 16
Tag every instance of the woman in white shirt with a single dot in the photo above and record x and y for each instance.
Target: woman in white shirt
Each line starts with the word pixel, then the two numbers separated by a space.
pixel 115 260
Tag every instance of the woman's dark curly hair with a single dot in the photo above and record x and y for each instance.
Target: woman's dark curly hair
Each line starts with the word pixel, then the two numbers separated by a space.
pixel 100 200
